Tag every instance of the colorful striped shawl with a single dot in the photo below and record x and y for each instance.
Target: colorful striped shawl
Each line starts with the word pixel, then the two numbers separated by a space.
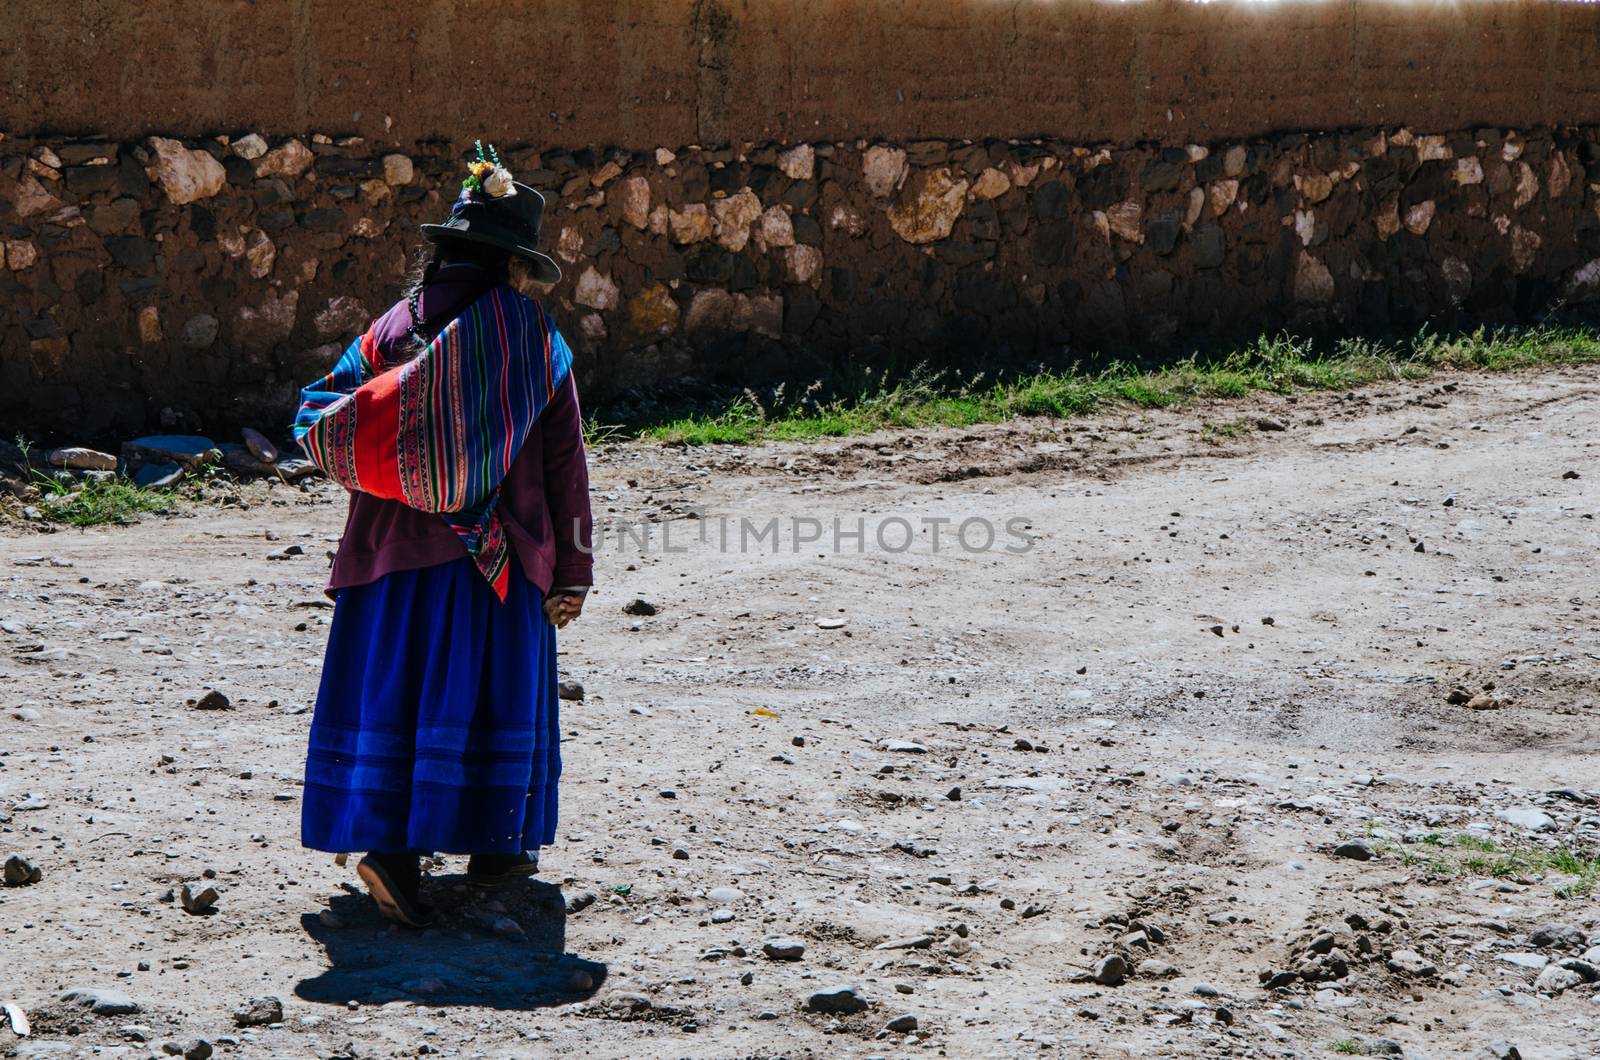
pixel 439 432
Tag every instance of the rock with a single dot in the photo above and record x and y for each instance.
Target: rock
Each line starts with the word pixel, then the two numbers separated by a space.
pixel 1504 1051
pixel 397 170
pixel 343 315
pixel 1151 968
pixel 213 700
pixel 1313 283
pixel 652 314
pixel 20 254
pixel 258 1012
pixel 201 904
pixel 579 901
pixel 692 224
pixel 287 160
pixel 570 690
pixel 930 213
pixel 269 323
pixel 1410 962
pixel 19 871
pixel 904 747
pixel 991 184
pixel 249 147
pixel 1531 819
pixel 803 264
pixel 100 1001
pixel 81 459
pixel 1355 849
pixel 773 229
pixel 197 1049
pixel 901 1024
pixel 158 476
pixel 1110 970
pixel 200 331
pixel 260 445
pixel 1557 979
pixel 798 162
pixel 634 195
pixel 193 451
pixel 149 325
pixel 639 606
pixel 837 1001
pixel 784 949
pixel 1560 936
pixel 884 168
pixel 1531 961
pixel 596 290
pixel 186 176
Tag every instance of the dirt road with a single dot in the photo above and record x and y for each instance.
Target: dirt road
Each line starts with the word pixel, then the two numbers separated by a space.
pixel 1230 638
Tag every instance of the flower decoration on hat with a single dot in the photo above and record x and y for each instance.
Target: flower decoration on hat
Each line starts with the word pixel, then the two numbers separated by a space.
pixel 486 174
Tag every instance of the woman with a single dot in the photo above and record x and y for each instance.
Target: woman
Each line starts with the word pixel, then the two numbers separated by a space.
pixel 454 421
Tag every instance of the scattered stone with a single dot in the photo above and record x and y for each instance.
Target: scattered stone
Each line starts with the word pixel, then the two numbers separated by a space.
pixel 1559 936
pixel 158 476
pixel 579 901
pixel 260 445
pixel 1354 849
pixel 784 949
pixel 249 147
pixel 1558 978
pixel 1504 1051
pixel 836 1001
pixel 639 606
pixel 212 700
pixel 259 1012
pixel 100 1001
pixel 901 1024
pixel 905 747
pixel 570 690
pixel 197 1049
pixel 931 213
pixel 1531 819
pixel 1410 962
pixel 81 459
pixel 201 904
pixel 19 871
pixel 1110 970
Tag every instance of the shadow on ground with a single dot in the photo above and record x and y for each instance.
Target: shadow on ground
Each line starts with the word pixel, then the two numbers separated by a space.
pixel 473 956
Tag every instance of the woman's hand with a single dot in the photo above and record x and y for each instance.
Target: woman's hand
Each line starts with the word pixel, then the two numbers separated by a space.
pixel 561 607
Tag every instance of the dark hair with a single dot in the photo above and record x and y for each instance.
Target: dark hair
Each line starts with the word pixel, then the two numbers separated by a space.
pixel 430 258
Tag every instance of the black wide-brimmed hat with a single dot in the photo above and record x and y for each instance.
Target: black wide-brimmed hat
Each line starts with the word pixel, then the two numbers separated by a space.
pixel 510 221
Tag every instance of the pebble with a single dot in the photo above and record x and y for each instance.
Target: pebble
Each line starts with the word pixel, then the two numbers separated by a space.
pixel 1532 820
pixel 100 1001
pixel 1110 970
pixel 570 690
pixel 19 871
pixel 212 700
pixel 784 949
pixel 1410 962
pixel 1560 936
pixel 1531 961
pixel 260 445
pixel 258 1012
pixel 1504 1051
pixel 909 747
pixel 639 606
pixel 724 894
pixel 836 1000
pixel 901 1024
pixel 1355 849
pixel 723 916
pixel 198 904
pixel 578 902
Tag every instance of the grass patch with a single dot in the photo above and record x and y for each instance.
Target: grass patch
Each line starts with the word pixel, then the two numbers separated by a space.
pixel 1348 1046
pixel 97 502
pixel 1471 855
pixel 1284 364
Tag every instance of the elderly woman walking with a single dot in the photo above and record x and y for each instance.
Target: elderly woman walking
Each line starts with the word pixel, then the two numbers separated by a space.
pixel 454 422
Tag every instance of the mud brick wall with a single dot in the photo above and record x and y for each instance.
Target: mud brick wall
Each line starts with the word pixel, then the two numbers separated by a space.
pixel 199 283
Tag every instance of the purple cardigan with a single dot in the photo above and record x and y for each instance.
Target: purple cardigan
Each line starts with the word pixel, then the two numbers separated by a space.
pixel 544 500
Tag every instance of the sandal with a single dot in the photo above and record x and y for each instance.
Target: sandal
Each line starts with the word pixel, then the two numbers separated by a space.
pixel 491 870
pixel 395 902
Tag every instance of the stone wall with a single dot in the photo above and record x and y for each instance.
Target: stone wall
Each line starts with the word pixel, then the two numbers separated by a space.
pixel 198 283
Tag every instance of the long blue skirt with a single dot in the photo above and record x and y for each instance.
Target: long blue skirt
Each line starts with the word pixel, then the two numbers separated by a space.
pixel 436 726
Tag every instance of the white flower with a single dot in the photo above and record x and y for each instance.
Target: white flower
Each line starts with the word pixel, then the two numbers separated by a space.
pixel 497 185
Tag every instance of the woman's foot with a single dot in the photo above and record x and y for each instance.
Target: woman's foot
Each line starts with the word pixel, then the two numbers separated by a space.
pixel 489 870
pixel 395 881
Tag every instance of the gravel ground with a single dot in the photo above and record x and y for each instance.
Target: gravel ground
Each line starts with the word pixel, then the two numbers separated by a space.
pixel 1171 770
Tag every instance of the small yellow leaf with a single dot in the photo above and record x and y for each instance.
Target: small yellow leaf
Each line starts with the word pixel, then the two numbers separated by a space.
pixel 765 713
